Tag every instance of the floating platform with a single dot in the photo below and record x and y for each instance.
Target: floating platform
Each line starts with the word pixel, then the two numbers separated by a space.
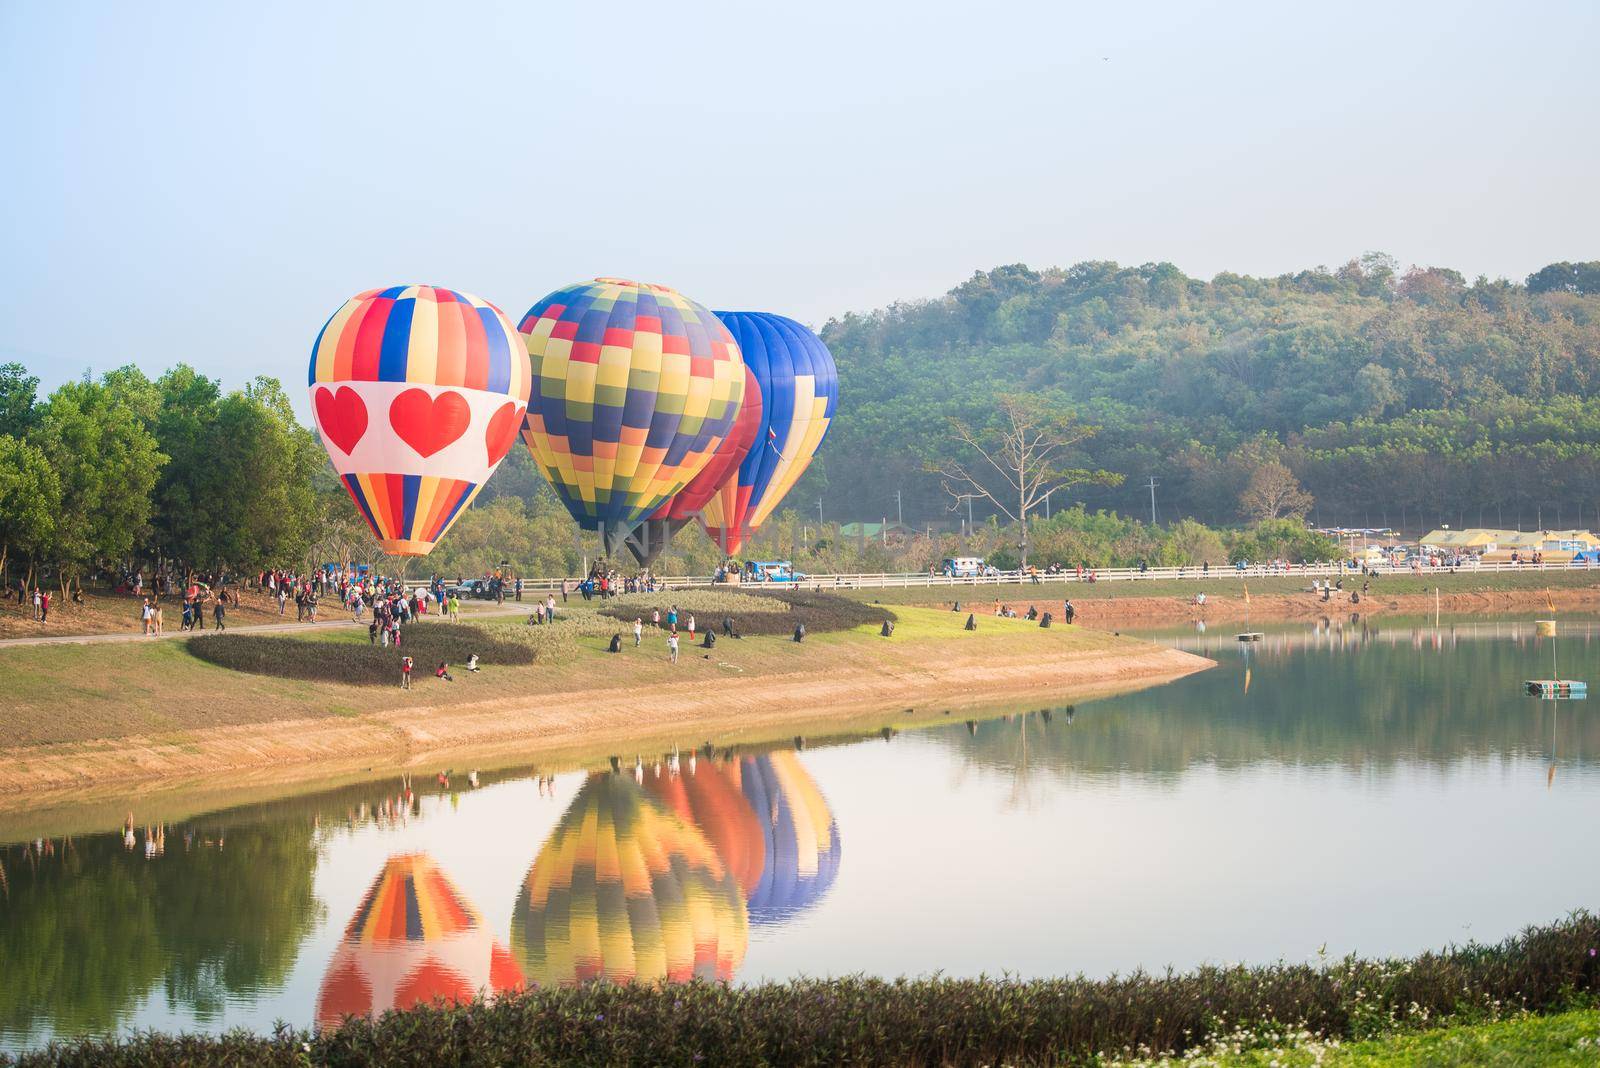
pixel 1557 689
pixel 1250 636
pixel 1545 628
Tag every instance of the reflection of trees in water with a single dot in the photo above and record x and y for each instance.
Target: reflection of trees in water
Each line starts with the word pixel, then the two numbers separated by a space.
pixel 1370 706
pixel 88 928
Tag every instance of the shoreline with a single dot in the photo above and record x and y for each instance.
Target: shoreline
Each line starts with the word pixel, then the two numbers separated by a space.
pixel 1105 613
pixel 571 724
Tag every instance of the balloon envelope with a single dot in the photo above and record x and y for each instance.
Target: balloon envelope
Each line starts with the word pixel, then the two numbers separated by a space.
pixel 414 940
pixel 624 889
pixel 799 392
pixel 735 447
pixel 636 386
pixel 418 393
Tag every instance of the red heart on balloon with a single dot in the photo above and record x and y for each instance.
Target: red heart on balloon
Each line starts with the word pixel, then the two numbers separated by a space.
pixel 502 432
pixel 342 416
pixel 426 423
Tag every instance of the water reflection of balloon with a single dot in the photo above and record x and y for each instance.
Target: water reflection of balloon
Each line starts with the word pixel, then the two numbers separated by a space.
pixel 636 386
pixel 625 889
pixel 414 940
pixel 802 839
pixel 418 393
pixel 799 392
pixel 708 794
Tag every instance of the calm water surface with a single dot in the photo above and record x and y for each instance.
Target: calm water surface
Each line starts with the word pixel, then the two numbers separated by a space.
pixel 1377 790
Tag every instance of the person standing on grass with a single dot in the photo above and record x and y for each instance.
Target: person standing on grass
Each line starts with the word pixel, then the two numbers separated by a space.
pixel 36 602
pixel 655 618
pixel 217 614
pixel 672 645
pixel 691 628
pixel 44 606
pixel 519 589
pixel 672 619
pixel 638 631
pixel 550 605
pixel 405 672
pixel 147 617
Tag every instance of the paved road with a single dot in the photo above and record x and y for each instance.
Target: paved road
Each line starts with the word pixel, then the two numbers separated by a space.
pixel 342 619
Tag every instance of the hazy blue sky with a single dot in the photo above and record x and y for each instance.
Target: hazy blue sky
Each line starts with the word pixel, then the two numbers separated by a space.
pixel 207 182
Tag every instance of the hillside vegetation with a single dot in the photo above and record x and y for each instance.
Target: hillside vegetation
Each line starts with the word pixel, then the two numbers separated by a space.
pixel 1393 396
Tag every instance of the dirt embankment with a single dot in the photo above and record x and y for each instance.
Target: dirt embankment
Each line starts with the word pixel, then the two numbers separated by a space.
pixel 1114 612
pixel 592 722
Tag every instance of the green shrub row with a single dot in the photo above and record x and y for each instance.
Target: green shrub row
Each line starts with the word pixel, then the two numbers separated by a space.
pixel 358 662
pixel 932 1021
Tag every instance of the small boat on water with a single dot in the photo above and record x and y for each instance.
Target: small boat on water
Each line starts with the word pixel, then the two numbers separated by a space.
pixel 1557 689
pixel 1250 636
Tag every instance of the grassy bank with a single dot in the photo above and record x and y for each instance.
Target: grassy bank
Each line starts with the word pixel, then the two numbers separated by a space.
pixel 951 1021
pixel 1559 1040
pixel 92 722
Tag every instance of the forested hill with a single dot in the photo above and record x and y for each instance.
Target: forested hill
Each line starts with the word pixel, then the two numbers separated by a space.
pixel 1386 392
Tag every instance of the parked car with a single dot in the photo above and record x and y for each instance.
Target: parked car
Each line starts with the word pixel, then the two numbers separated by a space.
pixel 772 571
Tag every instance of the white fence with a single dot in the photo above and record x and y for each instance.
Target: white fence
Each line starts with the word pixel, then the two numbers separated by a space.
pixel 922 580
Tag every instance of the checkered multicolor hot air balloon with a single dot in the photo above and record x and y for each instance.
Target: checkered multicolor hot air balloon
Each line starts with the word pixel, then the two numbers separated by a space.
pixel 802 854
pixel 687 502
pixel 626 890
pixel 414 940
pixel 636 386
pixel 419 393
pixel 799 392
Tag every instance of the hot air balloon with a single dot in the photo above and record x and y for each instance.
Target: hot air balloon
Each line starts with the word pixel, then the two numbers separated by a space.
pixel 637 386
pixel 414 940
pixel 418 393
pixel 678 510
pixel 625 890
pixel 802 854
pixel 799 392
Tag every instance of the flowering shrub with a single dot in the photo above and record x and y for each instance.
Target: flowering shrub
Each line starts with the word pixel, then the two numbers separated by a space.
pixel 925 1021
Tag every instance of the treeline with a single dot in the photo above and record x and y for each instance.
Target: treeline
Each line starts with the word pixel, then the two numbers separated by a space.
pixel 1413 396
pixel 111 474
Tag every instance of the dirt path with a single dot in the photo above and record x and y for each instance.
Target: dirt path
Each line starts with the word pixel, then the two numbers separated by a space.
pixel 520 729
pixel 1134 611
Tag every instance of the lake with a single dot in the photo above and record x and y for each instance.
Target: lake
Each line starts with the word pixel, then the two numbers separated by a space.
pixel 1378 789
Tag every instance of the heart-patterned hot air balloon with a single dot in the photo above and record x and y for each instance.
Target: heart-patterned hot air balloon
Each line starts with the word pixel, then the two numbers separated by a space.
pixel 799 391
pixel 637 386
pixel 419 393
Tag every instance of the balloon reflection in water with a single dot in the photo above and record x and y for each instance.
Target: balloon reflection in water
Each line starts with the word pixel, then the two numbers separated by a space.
pixel 708 794
pixel 414 940
pixel 625 889
pixel 802 839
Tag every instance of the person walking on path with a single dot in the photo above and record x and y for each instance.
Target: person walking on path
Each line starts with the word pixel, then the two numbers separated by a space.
pixel 672 646
pixel 519 589
pixel 147 618
pixel 638 631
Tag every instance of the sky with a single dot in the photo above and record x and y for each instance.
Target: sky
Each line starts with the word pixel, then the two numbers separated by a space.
pixel 208 182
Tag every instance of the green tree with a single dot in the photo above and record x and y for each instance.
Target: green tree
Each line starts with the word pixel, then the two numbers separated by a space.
pixel 107 463
pixel 19 392
pixel 30 495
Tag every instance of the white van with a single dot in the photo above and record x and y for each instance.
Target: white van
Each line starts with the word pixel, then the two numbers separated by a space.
pixel 963 566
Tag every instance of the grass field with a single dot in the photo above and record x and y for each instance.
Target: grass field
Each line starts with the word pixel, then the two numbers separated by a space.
pixel 1231 586
pixel 1561 1040
pixel 76 693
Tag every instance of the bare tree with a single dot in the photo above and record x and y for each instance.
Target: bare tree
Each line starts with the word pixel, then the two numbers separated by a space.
pixel 1023 455
pixel 1273 492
